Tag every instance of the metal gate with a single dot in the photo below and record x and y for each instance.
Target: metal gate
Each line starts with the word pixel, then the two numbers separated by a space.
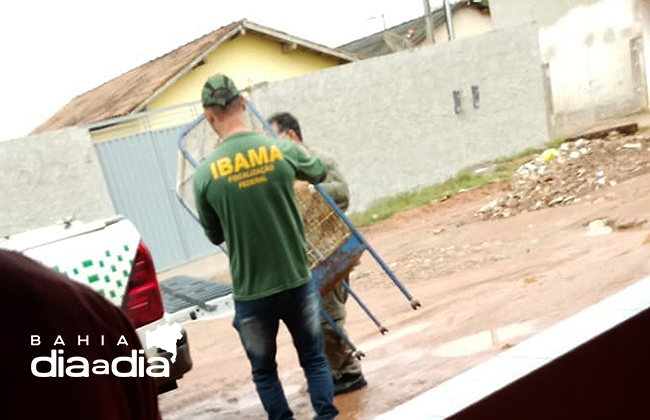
pixel 140 172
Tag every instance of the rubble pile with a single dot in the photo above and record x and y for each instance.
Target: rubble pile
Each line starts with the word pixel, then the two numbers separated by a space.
pixel 561 176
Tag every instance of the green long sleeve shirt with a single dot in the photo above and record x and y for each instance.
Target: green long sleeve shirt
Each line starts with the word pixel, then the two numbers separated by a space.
pixel 244 196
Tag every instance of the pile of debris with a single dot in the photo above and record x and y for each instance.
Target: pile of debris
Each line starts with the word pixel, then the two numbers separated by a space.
pixel 561 176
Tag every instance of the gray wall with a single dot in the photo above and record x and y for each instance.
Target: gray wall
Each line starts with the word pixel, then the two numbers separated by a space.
pixel 49 177
pixel 390 120
pixel 594 52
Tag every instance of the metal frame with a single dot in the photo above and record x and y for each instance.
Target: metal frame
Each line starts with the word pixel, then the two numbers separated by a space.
pixel 353 247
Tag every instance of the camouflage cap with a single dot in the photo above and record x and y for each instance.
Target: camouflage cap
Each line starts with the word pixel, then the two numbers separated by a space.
pixel 218 90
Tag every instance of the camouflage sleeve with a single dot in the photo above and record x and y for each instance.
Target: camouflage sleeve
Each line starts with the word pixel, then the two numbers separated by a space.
pixel 335 184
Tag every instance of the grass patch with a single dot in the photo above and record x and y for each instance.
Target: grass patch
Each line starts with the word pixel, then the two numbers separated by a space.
pixel 465 180
pixel 554 144
pixel 383 209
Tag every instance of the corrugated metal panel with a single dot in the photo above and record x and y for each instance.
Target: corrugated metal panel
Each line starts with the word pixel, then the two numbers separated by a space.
pixel 140 173
pixel 194 240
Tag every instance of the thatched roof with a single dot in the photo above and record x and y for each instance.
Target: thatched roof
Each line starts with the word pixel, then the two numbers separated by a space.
pixel 132 91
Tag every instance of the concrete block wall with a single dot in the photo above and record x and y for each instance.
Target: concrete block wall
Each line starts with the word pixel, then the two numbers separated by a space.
pixel 49 177
pixel 391 121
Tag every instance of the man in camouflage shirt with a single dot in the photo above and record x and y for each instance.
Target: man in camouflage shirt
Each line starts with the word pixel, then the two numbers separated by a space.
pixel 346 369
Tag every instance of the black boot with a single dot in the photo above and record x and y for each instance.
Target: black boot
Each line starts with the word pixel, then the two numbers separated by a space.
pixel 349 382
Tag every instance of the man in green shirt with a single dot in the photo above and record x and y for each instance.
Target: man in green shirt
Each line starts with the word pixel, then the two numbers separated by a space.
pixel 346 369
pixel 245 197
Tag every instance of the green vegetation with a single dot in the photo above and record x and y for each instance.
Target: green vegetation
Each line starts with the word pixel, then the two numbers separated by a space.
pixel 501 170
pixel 554 144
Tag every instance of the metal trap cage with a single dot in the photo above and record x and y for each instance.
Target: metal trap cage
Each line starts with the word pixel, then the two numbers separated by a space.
pixel 334 245
pixel 324 229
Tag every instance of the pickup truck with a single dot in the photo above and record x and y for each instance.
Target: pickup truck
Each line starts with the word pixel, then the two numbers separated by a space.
pixel 110 257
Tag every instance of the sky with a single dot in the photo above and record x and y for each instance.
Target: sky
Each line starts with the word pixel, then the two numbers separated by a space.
pixel 53 51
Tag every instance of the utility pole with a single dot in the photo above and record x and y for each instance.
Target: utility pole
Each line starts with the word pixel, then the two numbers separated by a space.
pixel 428 21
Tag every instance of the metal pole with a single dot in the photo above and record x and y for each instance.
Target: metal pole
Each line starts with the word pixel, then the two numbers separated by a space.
pixel 448 20
pixel 181 139
pixel 355 352
pixel 428 21
pixel 383 330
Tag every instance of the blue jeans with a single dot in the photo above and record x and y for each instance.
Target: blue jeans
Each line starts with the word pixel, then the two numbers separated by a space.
pixel 257 322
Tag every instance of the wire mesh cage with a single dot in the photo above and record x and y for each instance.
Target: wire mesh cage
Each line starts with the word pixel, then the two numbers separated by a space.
pixel 324 229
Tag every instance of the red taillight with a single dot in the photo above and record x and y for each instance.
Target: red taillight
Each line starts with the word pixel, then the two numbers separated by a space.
pixel 142 301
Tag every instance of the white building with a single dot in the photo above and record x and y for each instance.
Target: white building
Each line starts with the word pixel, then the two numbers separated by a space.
pixel 593 56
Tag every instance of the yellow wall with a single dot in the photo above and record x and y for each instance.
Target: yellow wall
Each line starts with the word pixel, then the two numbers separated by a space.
pixel 247 59
pixel 468 21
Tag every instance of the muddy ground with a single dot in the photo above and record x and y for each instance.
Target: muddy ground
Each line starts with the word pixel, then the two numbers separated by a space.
pixel 484 285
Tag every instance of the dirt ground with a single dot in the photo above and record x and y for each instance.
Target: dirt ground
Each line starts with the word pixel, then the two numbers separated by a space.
pixel 484 285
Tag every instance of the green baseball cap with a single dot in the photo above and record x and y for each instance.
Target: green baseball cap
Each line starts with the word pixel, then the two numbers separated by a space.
pixel 218 90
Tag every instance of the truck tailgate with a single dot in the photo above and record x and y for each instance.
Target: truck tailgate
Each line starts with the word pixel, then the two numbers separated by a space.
pixel 189 298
